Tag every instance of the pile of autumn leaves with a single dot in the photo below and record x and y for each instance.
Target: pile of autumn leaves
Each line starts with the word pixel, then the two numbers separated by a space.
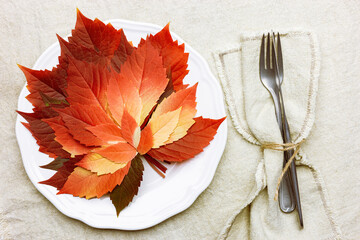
pixel 108 102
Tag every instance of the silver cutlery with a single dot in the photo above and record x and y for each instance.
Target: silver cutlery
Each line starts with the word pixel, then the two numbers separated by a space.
pixel 268 79
pixel 278 63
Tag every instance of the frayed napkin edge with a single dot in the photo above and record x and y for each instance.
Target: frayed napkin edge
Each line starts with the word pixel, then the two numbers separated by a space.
pixel 313 87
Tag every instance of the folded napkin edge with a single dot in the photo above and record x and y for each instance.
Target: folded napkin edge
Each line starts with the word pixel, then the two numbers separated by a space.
pixel 313 87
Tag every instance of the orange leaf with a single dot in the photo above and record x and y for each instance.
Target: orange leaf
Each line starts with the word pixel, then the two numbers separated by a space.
pixel 43 133
pixel 197 138
pixel 130 129
pixel 86 83
pixel 108 133
pixel 119 153
pixel 122 93
pixel 146 141
pixel 174 57
pixel 144 69
pixel 98 164
pixel 109 43
pixel 79 52
pixel 123 50
pixel 64 138
pixel 78 118
pixel 84 183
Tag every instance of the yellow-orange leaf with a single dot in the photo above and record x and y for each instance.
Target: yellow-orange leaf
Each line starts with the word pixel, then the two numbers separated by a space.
pixel 98 164
pixel 185 99
pixel 185 122
pixel 162 126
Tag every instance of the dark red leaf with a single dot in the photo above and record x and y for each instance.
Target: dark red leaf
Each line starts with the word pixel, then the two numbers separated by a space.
pixel 60 177
pixel 124 193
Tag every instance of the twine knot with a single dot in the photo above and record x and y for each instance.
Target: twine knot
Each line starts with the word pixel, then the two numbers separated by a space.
pixel 283 147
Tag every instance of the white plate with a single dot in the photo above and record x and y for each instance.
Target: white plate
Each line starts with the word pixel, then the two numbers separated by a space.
pixel 158 199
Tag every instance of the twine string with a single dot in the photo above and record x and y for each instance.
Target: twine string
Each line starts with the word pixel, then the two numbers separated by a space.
pixel 282 147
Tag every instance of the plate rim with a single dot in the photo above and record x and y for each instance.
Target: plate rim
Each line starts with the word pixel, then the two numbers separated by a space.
pixel 190 198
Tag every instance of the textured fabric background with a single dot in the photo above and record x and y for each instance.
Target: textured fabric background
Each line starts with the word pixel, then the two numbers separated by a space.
pixel 28 28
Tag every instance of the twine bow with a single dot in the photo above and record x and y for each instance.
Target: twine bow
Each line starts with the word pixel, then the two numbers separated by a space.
pixel 282 147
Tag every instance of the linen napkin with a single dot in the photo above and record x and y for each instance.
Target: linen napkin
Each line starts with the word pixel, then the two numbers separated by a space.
pixel 252 114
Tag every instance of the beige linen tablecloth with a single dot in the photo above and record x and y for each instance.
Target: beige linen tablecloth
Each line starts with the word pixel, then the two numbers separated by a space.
pixel 29 27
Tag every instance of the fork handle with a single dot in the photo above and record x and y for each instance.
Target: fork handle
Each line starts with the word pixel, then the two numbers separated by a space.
pixel 288 154
pixel 286 196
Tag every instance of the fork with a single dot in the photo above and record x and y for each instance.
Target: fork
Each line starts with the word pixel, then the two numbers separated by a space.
pixel 286 130
pixel 269 80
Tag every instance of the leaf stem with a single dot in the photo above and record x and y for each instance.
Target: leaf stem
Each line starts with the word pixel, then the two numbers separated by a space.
pixel 155 165
pixel 156 170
